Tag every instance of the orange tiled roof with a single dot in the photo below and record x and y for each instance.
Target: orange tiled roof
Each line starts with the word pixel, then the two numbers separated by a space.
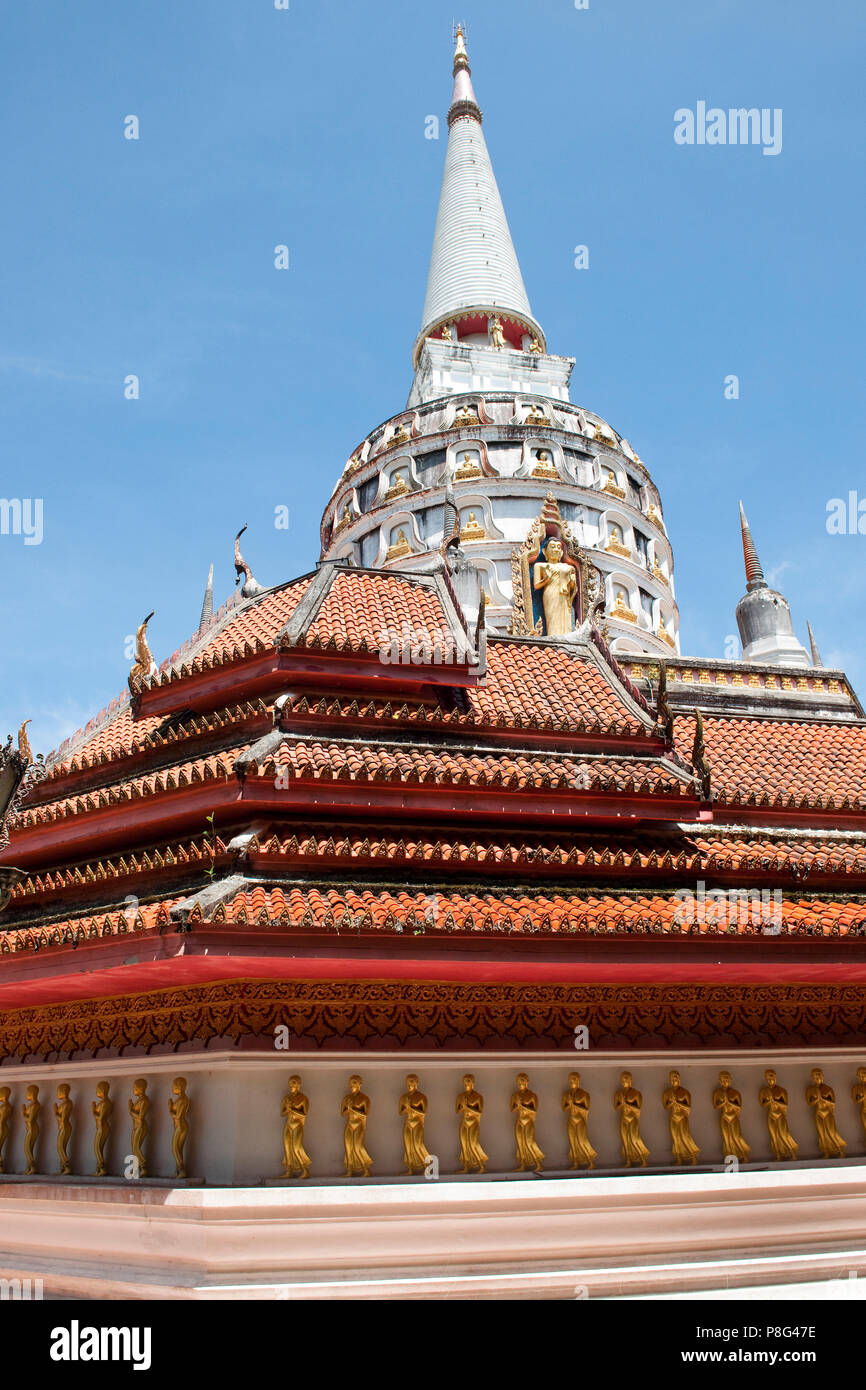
pixel 368 909
pixel 373 607
pixel 398 912
pixel 530 680
pixel 767 762
pixel 372 762
pixel 256 621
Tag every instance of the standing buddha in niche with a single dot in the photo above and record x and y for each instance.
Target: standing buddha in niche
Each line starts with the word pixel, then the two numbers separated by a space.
pixel 558 581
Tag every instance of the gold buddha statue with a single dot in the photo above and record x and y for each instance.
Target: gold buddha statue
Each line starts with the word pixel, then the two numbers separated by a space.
pixel 576 1103
pixel 525 1103
pixel 544 468
pixel 400 436
pixel 822 1098
pixel 399 547
pixel 472 531
pixel 622 610
pixel 466 415
pixel 628 1101
pixel 558 581
pixel 497 336
pixel 678 1103
pixel 63 1108
pixel 398 486
pixel 729 1103
pixel 470 1107
pixel 611 485
pixel 535 346
pixel 615 542
pixel 537 416
pixel 469 468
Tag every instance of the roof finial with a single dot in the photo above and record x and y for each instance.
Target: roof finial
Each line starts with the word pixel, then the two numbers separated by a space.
pixel 207 602
pixel 144 662
pixel 251 586
pixel 813 646
pixel 460 54
pixel 754 573
pixel 24 742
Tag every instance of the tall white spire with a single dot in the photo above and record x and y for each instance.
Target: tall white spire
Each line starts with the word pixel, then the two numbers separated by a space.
pixel 474 274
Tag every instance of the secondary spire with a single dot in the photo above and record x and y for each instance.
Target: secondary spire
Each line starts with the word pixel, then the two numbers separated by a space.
pixel 475 291
pixel 763 615
pixel 754 573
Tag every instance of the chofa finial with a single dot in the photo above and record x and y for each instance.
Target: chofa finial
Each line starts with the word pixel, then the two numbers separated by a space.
pixel 251 586
pixel 144 662
pixel 24 742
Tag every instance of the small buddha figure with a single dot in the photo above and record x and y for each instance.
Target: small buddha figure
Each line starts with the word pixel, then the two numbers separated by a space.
pixel 101 1109
pixel 178 1109
pixel 397 486
pixel 535 346
pixel 466 415
pixel 400 435
pixel 678 1103
pixel 470 1107
pixel 559 584
pixel 399 547
pixel 63 1108
pixel 858 1095
pixel 30 1110
pixel 729 1103
pixel 536 416
pixel 5 1120
pixel 413 1107
pixel 347 518
pixel 774 1099
pixel 356 1109
pixel 497 336
pixel 469 468
pixel 139 1104
pixel 621 608
pixel 472 531
pixel 294 1110
pixel 525 1103
pixel 447 333
pixel 544 468
pixel 628 1101
pixel 822 1098
pixel 576 1104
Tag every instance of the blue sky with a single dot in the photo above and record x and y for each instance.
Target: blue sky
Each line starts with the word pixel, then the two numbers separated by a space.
pixel 306 127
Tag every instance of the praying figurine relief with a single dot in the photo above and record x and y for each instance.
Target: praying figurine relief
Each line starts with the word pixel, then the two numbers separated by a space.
pixel 525 1103
pixel 30 1110
pixel 470 1107
pixel 822 1099
pixel 558 582
pixel 356 1110
pixel 63 1115
pixel 628 1101
pixel 139 1104
pixel 5 1118
pixel 413 1107
pixel 858 1095
pixel 178 1109
pixel 678 1103
pixel 101 1109
pixel 729 1103
pixel 774 1099
pixel 576 1104
pixel 294 1110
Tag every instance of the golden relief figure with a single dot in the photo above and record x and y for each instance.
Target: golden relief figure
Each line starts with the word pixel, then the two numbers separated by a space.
pixel 858 1095
pixel 63 1108
pixel 525 1103
pixel 628 1101
pixel 294 1110
pixel 5 1118
pixel 822 1098
pixel 497 336
pixel 356 1108
pixel 413 1107
pixel 139 1104
pixel 729 1103
pixel 469 468
pixel 678 1103
pixel 466 415
pixel 535 346
pixel 101 1109
pixel 470 1107
pixel 576 1104
pixel 536 416
pixel 774 1099
pixel 178 1109
pixel 559 584
pixel 544 468
pixel 30 1110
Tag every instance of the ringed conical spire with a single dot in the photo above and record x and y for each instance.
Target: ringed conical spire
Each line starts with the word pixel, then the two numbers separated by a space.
pixel 754 573
pixel 813 647
pixel 474 274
